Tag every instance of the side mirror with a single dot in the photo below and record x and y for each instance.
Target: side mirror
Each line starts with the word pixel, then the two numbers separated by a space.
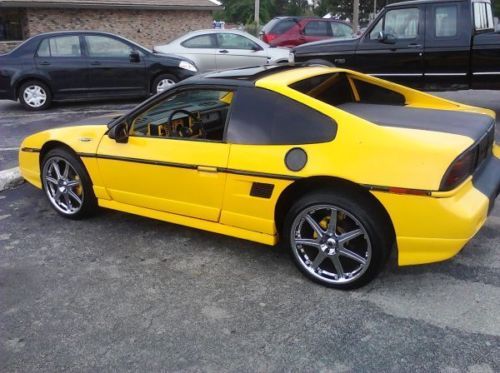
pixel 256 48
pixel 386 38
pixel 135 56
pixel 119 133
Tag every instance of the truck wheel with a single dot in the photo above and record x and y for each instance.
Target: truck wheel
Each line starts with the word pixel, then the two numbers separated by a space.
pixel 35 95
pixel 335 239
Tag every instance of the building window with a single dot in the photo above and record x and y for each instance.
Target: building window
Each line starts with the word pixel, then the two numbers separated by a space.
pixel 10 25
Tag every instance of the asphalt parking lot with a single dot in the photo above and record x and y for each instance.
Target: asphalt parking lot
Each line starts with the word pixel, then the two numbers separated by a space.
pixel 123 293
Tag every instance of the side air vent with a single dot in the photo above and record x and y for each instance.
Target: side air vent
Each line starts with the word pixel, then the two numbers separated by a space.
pixel 262 190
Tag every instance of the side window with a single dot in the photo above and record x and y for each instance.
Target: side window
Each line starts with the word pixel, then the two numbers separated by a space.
pixel 339 30
pixel 401 23
pixel 233 41
pixel 193 114
pixel 103 46
pixel 201 41
pixel 262 117
pixel 60 46
pixel 317 28
pixel 446 18
pixel 483 19
pixel 376 29
pixel 283 26
pixel 43 49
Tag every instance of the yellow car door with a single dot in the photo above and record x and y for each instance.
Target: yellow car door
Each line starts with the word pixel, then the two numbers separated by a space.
pixel 172 157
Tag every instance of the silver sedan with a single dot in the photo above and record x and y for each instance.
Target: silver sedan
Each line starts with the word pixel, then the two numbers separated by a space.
pixel 224 49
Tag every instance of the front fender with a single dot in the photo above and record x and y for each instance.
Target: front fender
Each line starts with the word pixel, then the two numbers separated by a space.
pixel 83 140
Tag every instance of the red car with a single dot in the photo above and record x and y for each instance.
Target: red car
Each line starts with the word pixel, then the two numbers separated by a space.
pixel 293 31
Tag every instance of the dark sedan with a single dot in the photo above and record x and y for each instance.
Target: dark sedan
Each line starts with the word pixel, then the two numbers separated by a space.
pixel 61 66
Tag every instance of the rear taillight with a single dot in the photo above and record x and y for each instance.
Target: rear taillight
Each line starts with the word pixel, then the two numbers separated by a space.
pixel 469 161
pixel 269 37
pixel 459 170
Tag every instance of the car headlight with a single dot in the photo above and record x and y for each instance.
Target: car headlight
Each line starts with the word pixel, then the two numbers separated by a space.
pixel 291 57
pixel 188 66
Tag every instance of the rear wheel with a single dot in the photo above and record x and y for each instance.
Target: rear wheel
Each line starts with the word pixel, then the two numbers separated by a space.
pixel 67 185
pixel 35 95
pixel 335 240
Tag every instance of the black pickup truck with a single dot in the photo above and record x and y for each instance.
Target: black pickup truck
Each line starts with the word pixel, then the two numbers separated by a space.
pixel 432 45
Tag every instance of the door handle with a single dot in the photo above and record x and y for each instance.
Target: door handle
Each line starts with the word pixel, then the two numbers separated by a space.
pixel 223 51
pixel 206 169
pixel 44 63
pixel 95 63
pixel 415 45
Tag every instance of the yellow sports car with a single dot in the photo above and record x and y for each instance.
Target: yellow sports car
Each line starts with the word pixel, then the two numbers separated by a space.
pixel 340 166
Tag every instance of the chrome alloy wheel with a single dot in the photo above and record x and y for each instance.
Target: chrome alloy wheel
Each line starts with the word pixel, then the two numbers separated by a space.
pixel 63 185
pixel 331 244
pixel 35 96
pixel 164 84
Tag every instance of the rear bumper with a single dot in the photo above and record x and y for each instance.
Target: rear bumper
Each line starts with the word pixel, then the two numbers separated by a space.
pixel 436 228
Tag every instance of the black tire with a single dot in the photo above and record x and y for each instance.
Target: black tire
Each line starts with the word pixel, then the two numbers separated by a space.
pixel 32 93
pixel 319 62
pixel 76 173
pixel 163 77
pixel 373 245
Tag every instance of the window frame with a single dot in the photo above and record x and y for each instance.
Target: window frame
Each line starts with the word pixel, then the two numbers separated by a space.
pixel 383 17
pixel 87 46
pixel 7 20
pixel 434 14
pixel 131 117
pixel 48 38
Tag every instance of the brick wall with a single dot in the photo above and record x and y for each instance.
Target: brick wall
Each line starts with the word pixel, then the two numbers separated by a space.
pixel 7 46
pixel 147 27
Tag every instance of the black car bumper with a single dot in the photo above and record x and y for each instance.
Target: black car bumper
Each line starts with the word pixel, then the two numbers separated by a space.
pixel 487 179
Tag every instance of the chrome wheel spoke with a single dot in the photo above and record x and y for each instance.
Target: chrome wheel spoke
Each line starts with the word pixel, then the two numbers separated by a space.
pixel 352 255
pixel 73 183
pixel 67 201
pixel 318 260
pixel 338 266
pixel 332 224
pixel 75 197
pixel 66 171
pixel 51 180
pixel 56 169
pixel 346 237
pixel 308 242
pixel 314 225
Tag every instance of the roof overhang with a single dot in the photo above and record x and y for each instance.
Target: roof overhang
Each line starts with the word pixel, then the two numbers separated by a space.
pixel 107 5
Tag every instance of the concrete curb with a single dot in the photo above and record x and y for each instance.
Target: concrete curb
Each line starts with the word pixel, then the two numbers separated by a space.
pixel 10 178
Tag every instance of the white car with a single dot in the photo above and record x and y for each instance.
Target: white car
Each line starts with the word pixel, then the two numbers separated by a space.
pixel 224 49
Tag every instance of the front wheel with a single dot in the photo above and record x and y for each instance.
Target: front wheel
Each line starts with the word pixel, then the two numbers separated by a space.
pixel 163 82
pixel 67 185
pixel 335 240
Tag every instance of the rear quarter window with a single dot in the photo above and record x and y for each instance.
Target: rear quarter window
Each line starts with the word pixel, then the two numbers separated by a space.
pixel 262 117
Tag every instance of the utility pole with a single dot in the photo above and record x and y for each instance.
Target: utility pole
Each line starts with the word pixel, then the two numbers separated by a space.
pixel 355 16
pixel 256 14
